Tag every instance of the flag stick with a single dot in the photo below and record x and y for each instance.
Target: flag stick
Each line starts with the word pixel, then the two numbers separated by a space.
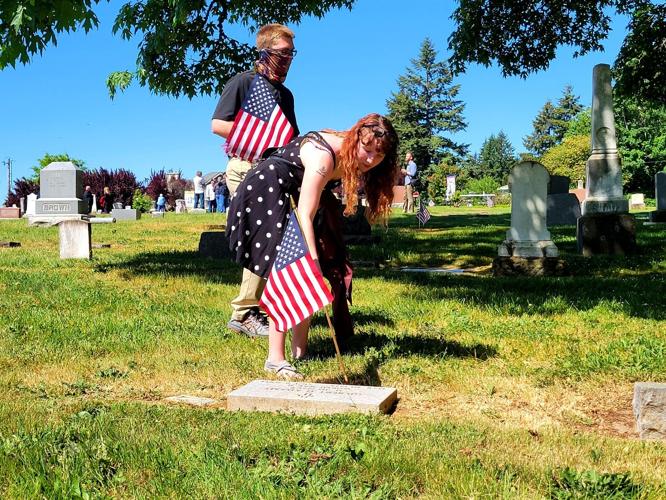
pixel 328 317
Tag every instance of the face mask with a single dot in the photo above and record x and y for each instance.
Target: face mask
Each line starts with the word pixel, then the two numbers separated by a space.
pixel 273 65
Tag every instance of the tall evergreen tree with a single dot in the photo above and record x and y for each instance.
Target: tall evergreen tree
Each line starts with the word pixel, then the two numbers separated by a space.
pixel 425 108
pixel 551 122
pixel 497 157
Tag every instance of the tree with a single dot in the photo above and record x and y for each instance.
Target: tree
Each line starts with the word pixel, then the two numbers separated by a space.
pixel 22 188
pixel 45 160
pixel 551 123
pixel 641 141
pixel 497 157
pixel 542 137
pixel 184 46
pixel 424 109
pixel 569 157
pixel 523 37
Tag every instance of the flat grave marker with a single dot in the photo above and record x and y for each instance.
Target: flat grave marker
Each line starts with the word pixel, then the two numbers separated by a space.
pixel 305 398
pixel 191 400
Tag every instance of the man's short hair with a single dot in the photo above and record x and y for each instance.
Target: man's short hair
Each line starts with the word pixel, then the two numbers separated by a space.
pixel 269 33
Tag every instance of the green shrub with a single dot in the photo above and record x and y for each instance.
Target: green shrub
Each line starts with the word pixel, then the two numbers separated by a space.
pixel 482 185
pixel 141 201
pixel 570 484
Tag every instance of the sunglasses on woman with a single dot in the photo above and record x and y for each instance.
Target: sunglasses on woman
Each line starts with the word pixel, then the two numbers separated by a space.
pixel 376 130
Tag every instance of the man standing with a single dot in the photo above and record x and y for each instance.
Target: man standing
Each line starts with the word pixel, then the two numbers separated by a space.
pixel 198 190
pixel 275 44
pixel 88 198
pixel 409 172
pixel 221 193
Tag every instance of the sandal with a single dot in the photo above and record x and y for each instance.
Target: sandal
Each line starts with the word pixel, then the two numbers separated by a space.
pixel 283 369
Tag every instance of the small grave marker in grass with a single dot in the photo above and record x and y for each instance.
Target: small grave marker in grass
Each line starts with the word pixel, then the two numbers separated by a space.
pixel 305 398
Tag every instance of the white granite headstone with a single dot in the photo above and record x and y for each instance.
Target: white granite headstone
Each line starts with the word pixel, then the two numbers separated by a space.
pixel 528 235
pixel 305 398
pixel 31 205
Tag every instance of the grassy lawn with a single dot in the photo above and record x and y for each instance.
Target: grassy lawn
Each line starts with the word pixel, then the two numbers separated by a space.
pixel 508 387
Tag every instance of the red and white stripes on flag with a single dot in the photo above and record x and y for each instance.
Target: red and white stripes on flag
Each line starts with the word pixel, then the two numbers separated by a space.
pixel 295 289
pixel 259 123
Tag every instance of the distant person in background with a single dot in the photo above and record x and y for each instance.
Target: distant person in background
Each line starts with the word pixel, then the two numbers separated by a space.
pixel 221 193
pixel 106 200
pixel 161 203
pixel 198 190
pixel 88 198
pixel 409 172
pixel 210 196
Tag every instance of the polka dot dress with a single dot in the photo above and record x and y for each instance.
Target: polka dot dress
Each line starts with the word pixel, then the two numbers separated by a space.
pixel 259 210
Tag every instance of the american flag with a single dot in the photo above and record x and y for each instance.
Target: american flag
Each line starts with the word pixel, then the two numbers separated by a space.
pixel 259 124
pixel 295 287
pixel 423 215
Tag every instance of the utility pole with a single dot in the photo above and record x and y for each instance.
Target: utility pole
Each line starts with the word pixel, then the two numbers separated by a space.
pixel 8 163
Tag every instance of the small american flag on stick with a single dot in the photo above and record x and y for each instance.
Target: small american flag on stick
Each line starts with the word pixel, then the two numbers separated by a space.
pixel 423 215
pixel 295 287
pixel 259 124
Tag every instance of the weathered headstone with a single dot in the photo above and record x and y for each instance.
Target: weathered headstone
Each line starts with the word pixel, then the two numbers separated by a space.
pixel 31 207
pixel 528 235
pixel 214 244
pixel 650 410
pixel 604 223
pixel 10 213
pixel 558 184
pixel 22 205
pixel 126 214
pixel 181 207
pixel 94 208
pixel 563 209
pixel 61 190
pixel 9 244
pixel 304 398
pixel 636 201
pixel 659 215
pixel 528 238
pixel 75 239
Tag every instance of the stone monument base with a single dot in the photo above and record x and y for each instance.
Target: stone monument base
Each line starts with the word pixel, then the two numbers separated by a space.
pixel 527 249
pixel 658 216
pixel 534 266
pixel 10 213
pixel 302 398
pixel 9 244
pixel 606 234
pixel 214 244
pixel 650 410
pixel 591 206
pixel 126 214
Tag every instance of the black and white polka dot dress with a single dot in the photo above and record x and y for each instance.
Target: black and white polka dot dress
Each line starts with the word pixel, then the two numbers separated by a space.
pixel 259 210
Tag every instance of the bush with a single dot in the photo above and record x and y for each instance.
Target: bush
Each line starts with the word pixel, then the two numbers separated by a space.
pixel 156 184
pixel 141 201
pixel 121 182
pixel 482 185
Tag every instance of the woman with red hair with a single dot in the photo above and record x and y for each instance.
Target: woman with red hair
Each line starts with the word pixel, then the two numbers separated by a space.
pixel 302 170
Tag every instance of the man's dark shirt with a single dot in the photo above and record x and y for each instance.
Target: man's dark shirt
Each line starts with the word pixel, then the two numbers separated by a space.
pixel 236 90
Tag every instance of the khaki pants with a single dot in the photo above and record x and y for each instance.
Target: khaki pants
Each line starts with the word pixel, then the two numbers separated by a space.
pixel 408 203
pixel 252 286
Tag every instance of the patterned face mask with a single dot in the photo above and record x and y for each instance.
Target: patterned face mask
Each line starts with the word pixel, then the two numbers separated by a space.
pixel 274 64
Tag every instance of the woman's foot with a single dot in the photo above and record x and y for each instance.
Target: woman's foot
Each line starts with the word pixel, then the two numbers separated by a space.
pixel 283 369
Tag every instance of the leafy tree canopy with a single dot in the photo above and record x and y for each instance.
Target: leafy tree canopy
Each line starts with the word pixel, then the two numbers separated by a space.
pixel 45 160
pixel 569 157
pixel 497 157
pixel 184 47
pixel 522 37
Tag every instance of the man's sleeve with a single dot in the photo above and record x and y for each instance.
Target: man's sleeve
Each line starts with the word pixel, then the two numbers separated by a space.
pixel 412 169
pixel 231 99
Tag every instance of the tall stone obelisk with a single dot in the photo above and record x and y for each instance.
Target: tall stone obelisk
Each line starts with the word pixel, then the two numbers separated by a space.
pixel 603 169
pixel 605 226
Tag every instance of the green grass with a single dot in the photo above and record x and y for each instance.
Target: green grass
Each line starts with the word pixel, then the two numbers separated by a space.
pixel 509 387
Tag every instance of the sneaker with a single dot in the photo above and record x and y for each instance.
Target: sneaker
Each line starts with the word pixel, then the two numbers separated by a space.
pixel 253 325
pixel 283 369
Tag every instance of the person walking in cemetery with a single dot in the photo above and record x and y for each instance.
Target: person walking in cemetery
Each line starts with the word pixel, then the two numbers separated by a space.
pixel 409 172
pixel 306 170
pixel 88 198
pixel 275 44
pixel 161 203
pixel 198 190
pixel 106 200
pixel 210 196
pixel 221 193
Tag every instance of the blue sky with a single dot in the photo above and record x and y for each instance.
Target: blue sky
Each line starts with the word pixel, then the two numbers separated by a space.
pixel 347 66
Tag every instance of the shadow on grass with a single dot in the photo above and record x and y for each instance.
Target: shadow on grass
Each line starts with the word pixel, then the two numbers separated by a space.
pixel 176 264
pixel 377 349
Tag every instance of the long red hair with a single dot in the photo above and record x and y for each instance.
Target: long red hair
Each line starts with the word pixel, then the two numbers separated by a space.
pixel 378 181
